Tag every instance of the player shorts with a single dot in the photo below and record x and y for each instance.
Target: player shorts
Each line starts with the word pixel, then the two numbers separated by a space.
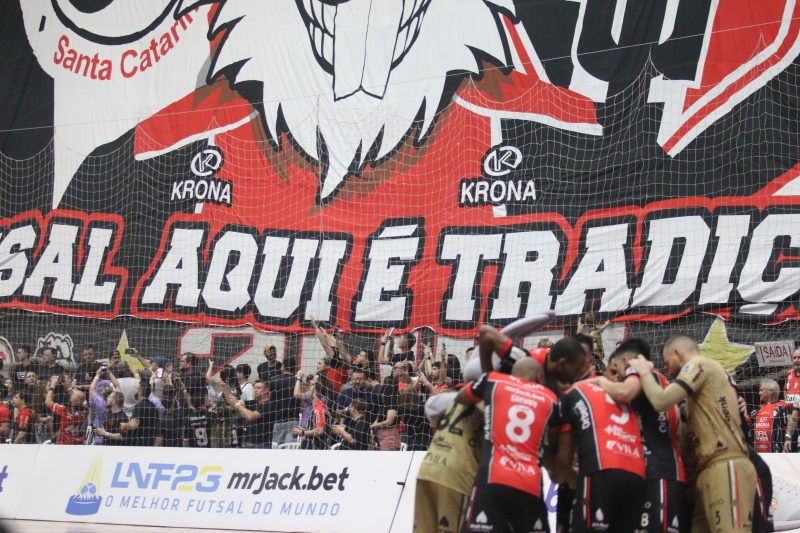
pixel 497 508
pixel 726 490
pixel 437 509
pixel 608 500
pixel 663 507
pixel 566 498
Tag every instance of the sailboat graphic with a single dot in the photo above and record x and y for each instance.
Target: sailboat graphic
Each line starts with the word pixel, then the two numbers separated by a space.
pixel 86 501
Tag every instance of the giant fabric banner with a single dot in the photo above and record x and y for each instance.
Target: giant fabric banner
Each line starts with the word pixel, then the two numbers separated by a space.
pixel 405 163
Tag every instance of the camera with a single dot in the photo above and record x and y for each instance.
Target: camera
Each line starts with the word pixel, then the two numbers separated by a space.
pixel 160 373
pixel 129 351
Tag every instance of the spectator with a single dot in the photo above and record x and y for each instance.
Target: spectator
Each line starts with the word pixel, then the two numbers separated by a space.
pixel 155 367
pixel 72 424
pixel 365 360
pixel 765 434
pixel 88 367
pixel 103 384
pixel 416 428
pixel 196 426
pixel 401 375
pixel 359 391
pixel 588 327
pixel 23 365
pixel 303 393
pixel 5 422
pixel 193 382
pixel 386 430
pixel 246 391
pixel 128 380
pixel 29 387
pixel 452 371
pixel 286 410
pixel 110 432
pixel 223 429
pixel 337 361
pixel 544 343
pixel 143 427
pixel 49 367
pixel 257 415
pixel 271 367
pixel 314 436
pixel 323 371
pixel 405 344
pixel 24 423
pixel 172 425
pixel 355 432
pixel 8 390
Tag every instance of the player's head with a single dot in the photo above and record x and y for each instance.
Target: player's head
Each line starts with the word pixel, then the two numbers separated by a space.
pixel 528 369
pixel 588 369
pixel 796 360
pixel 768 391
pixel 628 349
pixel 677 351
pixel 566 360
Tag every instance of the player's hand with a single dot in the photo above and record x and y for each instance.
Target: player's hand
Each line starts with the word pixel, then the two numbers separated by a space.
pixel 641 365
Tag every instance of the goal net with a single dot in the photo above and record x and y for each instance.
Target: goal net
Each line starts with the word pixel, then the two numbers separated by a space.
pixel 273 217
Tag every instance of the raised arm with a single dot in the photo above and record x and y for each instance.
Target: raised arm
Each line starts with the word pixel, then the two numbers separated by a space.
pixel 324 340
pixel 382 359
pixel 660 399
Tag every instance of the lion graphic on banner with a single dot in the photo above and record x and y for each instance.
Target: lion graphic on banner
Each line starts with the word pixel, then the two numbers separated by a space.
pixel 365 75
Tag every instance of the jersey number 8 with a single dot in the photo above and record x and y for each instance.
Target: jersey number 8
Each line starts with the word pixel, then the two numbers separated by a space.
pixel 520 420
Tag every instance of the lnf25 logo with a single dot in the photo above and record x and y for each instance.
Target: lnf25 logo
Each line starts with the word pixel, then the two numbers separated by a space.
pixel 173 476
pixel 204 186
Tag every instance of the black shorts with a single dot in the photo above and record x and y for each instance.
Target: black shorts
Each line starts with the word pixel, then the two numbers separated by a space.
pixel 500 509
pixel 663 510
pixel 608 500
pixel 566 497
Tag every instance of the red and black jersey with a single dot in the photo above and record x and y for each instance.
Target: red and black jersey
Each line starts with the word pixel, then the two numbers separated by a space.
pixel 25 422
pixel 517 417
pixel 5 413
pixel 792 390
pixel 607 434
pixel 767 427
pixel 660 434
pixel 73 423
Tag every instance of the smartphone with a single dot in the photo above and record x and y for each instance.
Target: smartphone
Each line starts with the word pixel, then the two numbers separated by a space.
pixel 444 347
pixel 389 332
pixel 104 368
pixel 129 351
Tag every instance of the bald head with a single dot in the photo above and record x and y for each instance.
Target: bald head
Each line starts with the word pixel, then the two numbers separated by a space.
pixel 528 369
pixel 682 343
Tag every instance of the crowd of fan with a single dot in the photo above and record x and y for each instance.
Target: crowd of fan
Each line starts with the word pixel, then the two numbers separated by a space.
pixel 342 405
pixel 188 402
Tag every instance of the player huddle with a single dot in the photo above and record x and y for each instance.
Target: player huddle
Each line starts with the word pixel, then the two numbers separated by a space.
pixel 631 451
